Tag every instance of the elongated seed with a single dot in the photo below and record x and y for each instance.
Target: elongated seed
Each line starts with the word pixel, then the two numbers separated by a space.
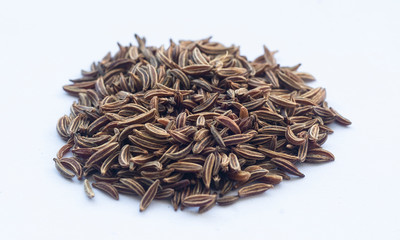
pixel 88 189
pixel 149 195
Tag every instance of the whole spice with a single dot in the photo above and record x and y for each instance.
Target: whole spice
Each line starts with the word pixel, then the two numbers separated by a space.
pixel 192 121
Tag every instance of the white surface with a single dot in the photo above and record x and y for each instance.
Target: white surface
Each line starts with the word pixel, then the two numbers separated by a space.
pixel 354 44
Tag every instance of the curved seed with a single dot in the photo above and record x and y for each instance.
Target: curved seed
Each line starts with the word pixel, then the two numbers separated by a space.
pixel 149 195
pixel 107 188
pixel 254 189
pixel 88 189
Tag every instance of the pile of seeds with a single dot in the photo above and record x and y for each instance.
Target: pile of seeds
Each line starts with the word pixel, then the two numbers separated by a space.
pixel 196 123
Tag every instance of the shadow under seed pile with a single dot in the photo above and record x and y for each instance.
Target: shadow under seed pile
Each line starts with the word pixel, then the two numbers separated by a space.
pixel 192 123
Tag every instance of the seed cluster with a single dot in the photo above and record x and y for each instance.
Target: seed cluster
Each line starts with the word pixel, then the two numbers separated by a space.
pixel 192 123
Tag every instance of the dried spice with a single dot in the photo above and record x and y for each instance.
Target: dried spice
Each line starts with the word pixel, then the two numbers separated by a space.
pixel 192 123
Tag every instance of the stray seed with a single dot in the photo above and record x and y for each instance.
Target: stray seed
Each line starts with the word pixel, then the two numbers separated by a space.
pixel 88 189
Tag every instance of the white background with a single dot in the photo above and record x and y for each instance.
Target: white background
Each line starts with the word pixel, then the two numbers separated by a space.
pixel 352 47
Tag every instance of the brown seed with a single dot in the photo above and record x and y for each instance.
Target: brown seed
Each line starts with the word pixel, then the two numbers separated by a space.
pixel 198 200
pixel 254 189
pixel 340 119
pixel 248 154
pixel 107 188
pixel 227 200
pixel 133 185
pixel 62 170
pixel 156 131
pixel 208 169
pixel 237 139
pixel 165 193
pixel 124 156
pixel 180 154
pixel 217 136
pixel 292 138
pixel 149 195
pixel 271 179
pixel 73 165
pixel 185 167
pixel 207 104
pixel 229 123
pixel 101 154
pixel 234 162
pixel 286 166
pixel 208 206
pixel 272 154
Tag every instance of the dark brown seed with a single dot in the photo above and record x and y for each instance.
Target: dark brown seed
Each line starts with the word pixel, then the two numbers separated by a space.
pixel 217 136
pixel 208 206
pixel 207 104
pixel 227 200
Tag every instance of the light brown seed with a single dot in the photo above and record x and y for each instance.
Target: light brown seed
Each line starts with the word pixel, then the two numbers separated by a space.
pixel 340 119
pixel 208 169
pixel 237 139
pixel 156 131
pixel 149 195
pixel 254 189
pixel 248 154
pixel 271 179
pixel 124 156
pixel 229 123
pixel 62 170
pixel 88 189
pixel 234 164
pixel 186 167
pixel 198 200
pixel 272 154
pixel 292 138
pixel 73 165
